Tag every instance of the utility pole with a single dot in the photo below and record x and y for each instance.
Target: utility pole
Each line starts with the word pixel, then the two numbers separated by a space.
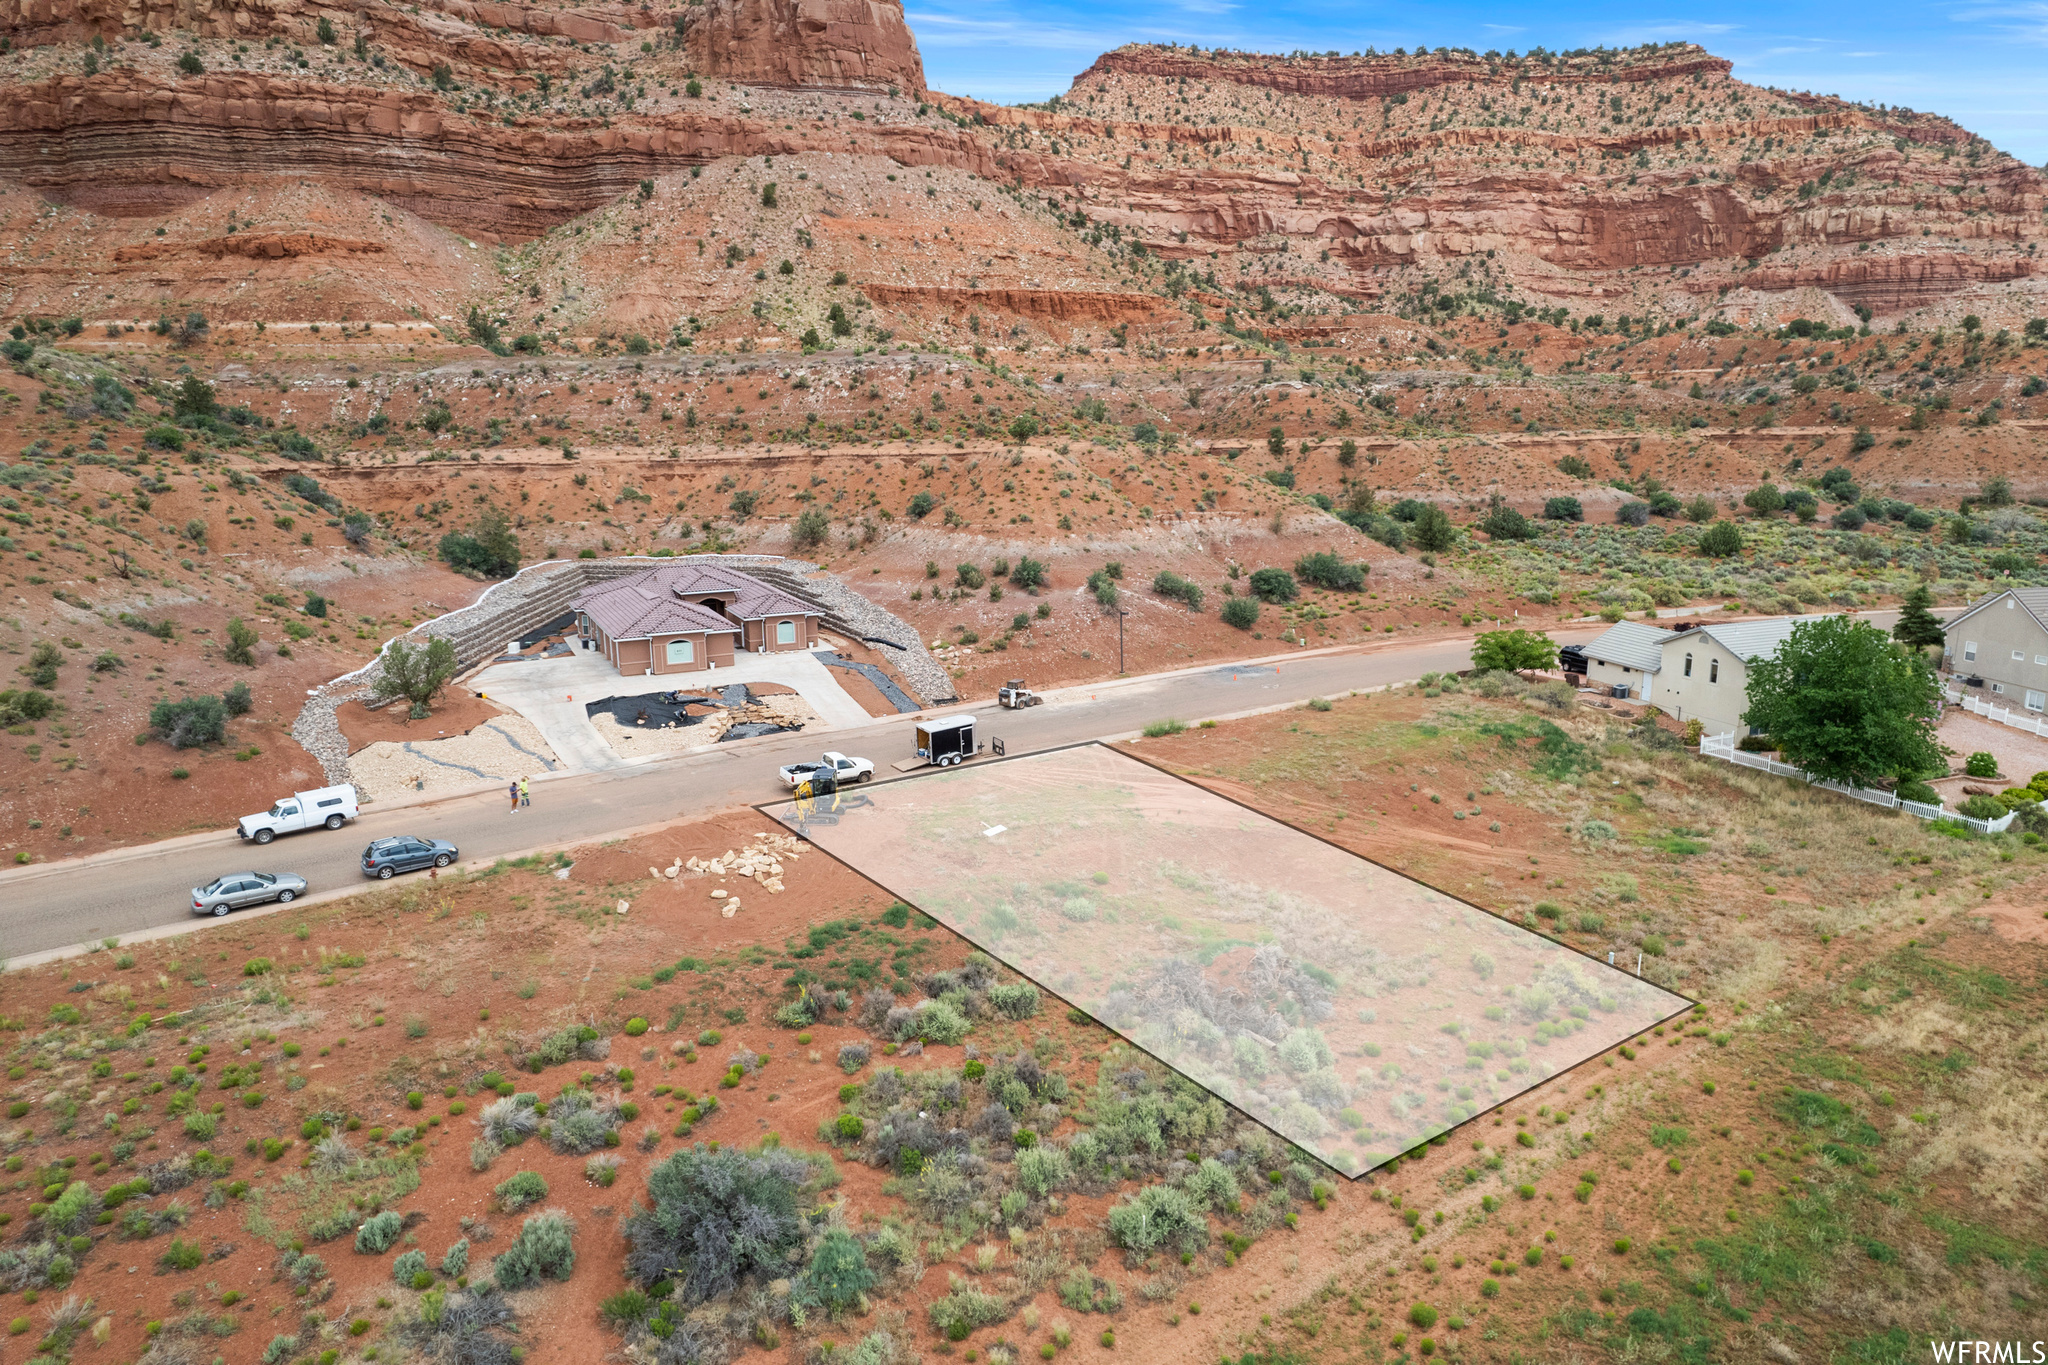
pixel 1120 615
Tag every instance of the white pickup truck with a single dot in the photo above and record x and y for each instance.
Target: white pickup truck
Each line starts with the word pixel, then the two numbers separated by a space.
pixel 848 770
pixel 328 806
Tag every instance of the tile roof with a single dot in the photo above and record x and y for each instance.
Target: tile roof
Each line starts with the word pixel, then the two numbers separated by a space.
pixel 1630 644
pixel 753 600
pixel 1754 639
pixel 650 603
pixel 630 610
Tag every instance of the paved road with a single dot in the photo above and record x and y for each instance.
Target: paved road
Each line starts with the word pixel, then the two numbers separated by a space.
pixel 139 890
pixel 133 891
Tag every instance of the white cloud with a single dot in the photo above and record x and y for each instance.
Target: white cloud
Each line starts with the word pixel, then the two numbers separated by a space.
pixel 1665 33
pixel 2026 22
pixel 936 29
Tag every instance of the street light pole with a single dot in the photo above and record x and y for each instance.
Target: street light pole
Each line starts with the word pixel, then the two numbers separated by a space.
pixel 1120 615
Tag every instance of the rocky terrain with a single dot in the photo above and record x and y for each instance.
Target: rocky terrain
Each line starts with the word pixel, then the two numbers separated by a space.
pixel 316 320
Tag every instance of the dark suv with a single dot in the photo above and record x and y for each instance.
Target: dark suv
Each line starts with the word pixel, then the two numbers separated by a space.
pixel 387 857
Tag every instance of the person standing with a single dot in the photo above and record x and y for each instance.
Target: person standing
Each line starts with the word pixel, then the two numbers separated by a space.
pixel 525 796
pixel 512 790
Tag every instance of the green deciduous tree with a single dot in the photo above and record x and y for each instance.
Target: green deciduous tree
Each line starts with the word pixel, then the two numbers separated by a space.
pixel 416 672
pixel 1514 651
pixel 1843 702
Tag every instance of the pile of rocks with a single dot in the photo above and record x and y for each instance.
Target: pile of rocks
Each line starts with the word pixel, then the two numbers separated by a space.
pixel 761 860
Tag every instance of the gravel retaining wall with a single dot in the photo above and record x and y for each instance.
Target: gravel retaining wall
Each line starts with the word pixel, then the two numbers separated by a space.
pixel 539 593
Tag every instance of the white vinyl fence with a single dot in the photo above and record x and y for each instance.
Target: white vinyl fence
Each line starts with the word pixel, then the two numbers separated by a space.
pixel 1723 748
pixel 2004 715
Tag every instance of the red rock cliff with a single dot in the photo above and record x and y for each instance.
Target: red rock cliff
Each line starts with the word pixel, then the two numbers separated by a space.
pixel 837 44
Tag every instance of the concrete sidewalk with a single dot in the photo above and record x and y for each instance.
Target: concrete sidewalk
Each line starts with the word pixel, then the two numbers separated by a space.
pixel 553 694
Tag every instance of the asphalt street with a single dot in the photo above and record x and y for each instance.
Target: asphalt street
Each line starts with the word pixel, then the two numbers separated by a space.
pixel 145 890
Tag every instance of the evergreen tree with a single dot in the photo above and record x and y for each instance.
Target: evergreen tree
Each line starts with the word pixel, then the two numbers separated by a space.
pixel 1918 627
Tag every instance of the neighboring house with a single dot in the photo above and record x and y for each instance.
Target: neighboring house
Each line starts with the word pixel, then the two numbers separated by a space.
pixel 1704 672
pixel 684 617
pixel 1627 654
pixel 1696 671
pixel 2003 641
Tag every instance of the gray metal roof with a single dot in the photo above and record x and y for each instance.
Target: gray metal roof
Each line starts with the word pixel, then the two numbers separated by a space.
pixel 2034 600
pixel 1631 644
pixel 1754 639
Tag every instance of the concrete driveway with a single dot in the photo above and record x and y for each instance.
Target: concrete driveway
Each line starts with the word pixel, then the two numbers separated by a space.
pixel 552 693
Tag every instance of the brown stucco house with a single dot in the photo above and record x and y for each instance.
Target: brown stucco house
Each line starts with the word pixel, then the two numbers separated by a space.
pixel 684 617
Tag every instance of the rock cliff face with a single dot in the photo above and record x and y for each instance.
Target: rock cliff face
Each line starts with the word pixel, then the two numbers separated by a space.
pixel 825 44
pixel 1627 181
pixel 1567 178
pixel 830 44
pixel 1371 78
pixel 126 144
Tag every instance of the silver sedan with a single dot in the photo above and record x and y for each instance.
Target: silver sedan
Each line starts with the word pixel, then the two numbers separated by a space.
pixel 239 889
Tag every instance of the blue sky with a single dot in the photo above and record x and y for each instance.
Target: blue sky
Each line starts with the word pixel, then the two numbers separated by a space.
pixel 1983 64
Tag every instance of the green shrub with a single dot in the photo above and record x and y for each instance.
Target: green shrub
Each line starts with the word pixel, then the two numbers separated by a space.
pixel 838 1276
pixel 521 1190
pixel 1326 570
pixel 1721 540
pixel 182 1255
pixel 1981 764
pixel 1273 585
pixel 543 1251
pixel 376 1235
pixel 189 722
pixel 625 1308
pixel 1918 791
pixel 71 1208
pixel 456 1263
pixel 1172 586
pixel 1158 1216
pixel 717 1217
pixel 1423 1316
pixel 941 1024
pixel 1040 1170
pixel 1014 1000
pixel 635 1027
pixel 963 1309
pixel 1982 808
pixel 1241 612
pixel 408 1264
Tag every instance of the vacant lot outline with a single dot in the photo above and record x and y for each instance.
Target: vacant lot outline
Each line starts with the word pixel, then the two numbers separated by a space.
pixel 1354 1011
